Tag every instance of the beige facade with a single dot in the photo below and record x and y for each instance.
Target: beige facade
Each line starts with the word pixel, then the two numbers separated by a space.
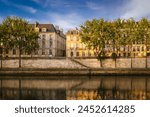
pixel 52 42
pixel 74 46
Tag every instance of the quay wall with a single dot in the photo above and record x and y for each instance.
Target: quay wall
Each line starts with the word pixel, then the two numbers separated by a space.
pixel 79 63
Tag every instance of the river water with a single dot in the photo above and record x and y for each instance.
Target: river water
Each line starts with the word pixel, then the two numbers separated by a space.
pixel 75 87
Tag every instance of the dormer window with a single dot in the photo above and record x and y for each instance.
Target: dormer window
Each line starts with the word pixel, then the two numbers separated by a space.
pixel 37 29
pixel 44 29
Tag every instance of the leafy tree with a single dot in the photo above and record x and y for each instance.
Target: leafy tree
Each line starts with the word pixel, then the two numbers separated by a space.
pixel 20 35
pixel 1 42
pixel 94 35
pixel 143 34
pixel 4 41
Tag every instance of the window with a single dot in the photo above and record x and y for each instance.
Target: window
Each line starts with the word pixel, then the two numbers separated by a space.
pixel 133 48
pixel 83 53
pixel 138 48
pixel 43 36
pixel 7 52
pixel 142 48
pixel 50 43
pixel 77 53
pixel 50 52
pixel 71 54
pixel 43 52
pixel 77 46
pixel 124 54
pixel 128 54
pixel 147 48
pixel 14 52
pixel 89 53
pixel 37 29
pixel 43 43
pixel 44 29
pixel 36 52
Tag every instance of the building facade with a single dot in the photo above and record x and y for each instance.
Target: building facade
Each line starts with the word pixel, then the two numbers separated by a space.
pixel 74 46
pixel 52 42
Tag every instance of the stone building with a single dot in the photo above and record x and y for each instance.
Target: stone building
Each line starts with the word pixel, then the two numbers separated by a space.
pixel 74 46
pixel 52 42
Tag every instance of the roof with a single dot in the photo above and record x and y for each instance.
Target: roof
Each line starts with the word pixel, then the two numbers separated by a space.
pixel 49 28
pixel 74 31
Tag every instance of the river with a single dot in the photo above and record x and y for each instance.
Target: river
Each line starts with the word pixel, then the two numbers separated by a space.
pixel 75 87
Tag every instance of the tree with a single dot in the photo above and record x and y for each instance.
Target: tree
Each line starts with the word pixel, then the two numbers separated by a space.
pixel 143 34
pixel 20 35
pixel 1 48
pixel 94 35
pixel 4 41
pixel 130 29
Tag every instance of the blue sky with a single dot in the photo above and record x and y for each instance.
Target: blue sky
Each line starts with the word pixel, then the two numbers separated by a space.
pixel 69 14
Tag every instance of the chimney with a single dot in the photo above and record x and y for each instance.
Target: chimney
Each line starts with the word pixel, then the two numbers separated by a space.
pixel 36 24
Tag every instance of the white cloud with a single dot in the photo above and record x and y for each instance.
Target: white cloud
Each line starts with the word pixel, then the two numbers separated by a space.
pixel 136 9
pixel 23 7
pixel 1 19
pixel 37 1
pixel 66 21
pixel 93 6
pixel 26 8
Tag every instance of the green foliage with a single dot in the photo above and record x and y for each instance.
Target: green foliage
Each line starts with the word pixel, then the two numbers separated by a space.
pixel 114 55
pixel 94 35
pixel 98 33
pixel 17 33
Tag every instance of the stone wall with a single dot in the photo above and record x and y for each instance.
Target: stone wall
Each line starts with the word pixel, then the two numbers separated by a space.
pixel 119 63
pixel 41 63
pixel 68 63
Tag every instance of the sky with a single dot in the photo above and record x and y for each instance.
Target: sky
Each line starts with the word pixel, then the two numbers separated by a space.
pixel 69 14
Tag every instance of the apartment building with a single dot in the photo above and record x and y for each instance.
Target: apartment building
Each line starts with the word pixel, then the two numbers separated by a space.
pixel 52 42
pixel 74 46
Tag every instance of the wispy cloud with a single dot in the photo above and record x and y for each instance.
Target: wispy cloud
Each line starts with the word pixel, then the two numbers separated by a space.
pixel 19 6
pixel 52 3
pixel 1 19
pixel 66 21
pixel 93 6
pixel 26 8
pixel 136 9
pixel 37 1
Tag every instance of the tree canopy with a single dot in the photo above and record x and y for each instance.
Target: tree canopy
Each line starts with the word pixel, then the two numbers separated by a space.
pixel 98 33
pixel 19 34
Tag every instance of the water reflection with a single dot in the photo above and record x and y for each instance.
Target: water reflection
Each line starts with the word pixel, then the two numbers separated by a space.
pixel 75 87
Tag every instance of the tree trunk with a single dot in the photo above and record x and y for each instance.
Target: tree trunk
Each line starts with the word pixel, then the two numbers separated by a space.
pixel 131 56
pixel 146 54
pixel 101 64
pixel 19 58
pixel 115 63
pixel 131 61
pixel 1 58
pixel 1 62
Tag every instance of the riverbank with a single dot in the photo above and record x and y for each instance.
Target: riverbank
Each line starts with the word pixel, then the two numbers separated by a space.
pixel 66 66
pixel 73 72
